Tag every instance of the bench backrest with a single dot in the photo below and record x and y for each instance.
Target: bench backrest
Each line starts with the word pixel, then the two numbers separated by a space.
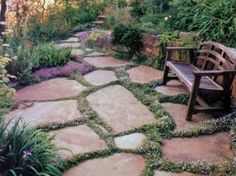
pixel 215 56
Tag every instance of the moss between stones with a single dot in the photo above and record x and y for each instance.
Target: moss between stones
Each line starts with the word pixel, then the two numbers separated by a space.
pixel 163 128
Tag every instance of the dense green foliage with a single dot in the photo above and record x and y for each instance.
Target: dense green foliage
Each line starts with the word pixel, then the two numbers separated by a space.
pixel 60 21
pixel 137 10
pixel 157 6
pixel 25 151
pixel 129 36
pixel 213 19
pixel 47 55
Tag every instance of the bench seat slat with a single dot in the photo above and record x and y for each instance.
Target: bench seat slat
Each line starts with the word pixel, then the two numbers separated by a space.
pixel 185 74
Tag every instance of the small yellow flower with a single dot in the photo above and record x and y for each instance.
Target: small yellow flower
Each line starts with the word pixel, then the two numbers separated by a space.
pixel 5 60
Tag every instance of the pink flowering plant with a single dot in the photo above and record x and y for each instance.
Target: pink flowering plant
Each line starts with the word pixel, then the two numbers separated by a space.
pixel 26 151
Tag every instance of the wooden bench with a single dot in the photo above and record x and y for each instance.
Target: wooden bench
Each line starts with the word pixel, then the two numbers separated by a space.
pixel 211 69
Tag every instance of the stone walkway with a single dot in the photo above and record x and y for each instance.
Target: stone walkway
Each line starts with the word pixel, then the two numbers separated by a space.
pixel 118 120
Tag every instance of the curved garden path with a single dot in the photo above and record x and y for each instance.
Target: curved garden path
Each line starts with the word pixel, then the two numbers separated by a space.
pixel 116 123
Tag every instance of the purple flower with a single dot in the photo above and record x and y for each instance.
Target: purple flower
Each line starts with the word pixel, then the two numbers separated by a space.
pixel 84 35
pixel 67 70
pixel 26 154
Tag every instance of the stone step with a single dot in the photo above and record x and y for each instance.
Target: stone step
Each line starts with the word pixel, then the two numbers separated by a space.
pixel 102 17
pixel 99 22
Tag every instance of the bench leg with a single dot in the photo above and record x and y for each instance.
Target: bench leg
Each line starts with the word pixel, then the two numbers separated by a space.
pixel 228 79
pixel 193 98
pixel 165 76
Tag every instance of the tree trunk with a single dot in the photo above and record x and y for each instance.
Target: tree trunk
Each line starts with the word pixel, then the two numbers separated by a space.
pixel 3 15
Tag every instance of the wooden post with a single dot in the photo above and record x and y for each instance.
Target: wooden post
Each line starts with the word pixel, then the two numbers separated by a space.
pixel 166 69
pixel 193 97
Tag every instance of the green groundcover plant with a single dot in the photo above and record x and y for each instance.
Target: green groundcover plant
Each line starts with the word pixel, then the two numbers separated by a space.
pixel 26 152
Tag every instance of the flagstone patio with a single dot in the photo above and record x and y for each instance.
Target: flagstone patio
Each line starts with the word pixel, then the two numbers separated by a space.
pixel 114 119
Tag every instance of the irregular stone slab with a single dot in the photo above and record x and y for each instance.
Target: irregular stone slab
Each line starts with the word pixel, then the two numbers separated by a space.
pixel 178 112
pixel 96 54
pixel 212 148
pixel 144 74
pixel 100 77
pixel 50 90
pixel 75 53
pixel 71 39
pixel 46 112
pixel 102 62
pixel 119 108
pixel 88 50
pixel 163 173
pixel 131 141
pixel 77 140
pixel 172 88
pixel 68 45
pixel 123 164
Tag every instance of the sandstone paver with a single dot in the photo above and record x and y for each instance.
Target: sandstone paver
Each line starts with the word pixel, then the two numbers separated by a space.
pixel 119 108
pixel 96 54
pixel 71 40
pixel 172 88
pixel 122 164
pixel 77 53
pixel 131 141
pixel 212 148
pixel 178 112
pixel 144 74
pixel 106 61
pixel 50 90
pixel 46 112
pixel 163 173
pixel 77 140
pixel 100 77
pixel 68 45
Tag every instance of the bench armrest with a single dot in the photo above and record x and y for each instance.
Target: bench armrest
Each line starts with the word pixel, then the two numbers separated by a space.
pixel 214 72
pixel 180 49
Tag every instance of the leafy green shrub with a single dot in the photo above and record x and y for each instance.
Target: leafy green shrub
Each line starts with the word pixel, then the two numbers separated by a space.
pixel 23 65
pixel 5 91
pixel 47 55
pixel 122 3
pixel 26 151
pixel 6 104
pixel 137 10
pixel 214 19
pixel 81 27
pixel 85 13
pixel 157 6
pixel 153 18
pixel 129 36
pixel 110 21
pixel 159 61
pixel 60 20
